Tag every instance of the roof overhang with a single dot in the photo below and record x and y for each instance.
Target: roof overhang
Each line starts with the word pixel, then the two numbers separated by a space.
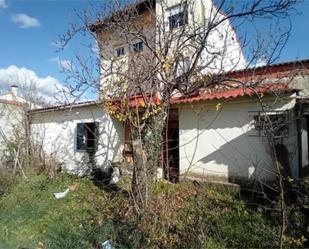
pixel 65 106
pixel 270 89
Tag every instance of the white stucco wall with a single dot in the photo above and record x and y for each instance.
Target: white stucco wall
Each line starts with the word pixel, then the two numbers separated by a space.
pixel 222 41
pixel 225 144
pixel 11 118
pixel 223 53
pixel 57 130
pixel 112 67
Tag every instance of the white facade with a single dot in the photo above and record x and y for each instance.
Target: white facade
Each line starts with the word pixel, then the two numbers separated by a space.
pixel 222 52
pixel 224 143
pixel 57 130
pixel 11 117
pixel 213 143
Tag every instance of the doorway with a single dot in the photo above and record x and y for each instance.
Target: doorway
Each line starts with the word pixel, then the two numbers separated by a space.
pixel 171 148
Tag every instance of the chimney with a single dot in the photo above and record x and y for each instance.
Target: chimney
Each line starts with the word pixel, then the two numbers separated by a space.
pixel 14 90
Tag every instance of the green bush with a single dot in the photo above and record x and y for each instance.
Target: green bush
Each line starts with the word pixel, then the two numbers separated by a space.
pixel 297 232
pixel 7 182
pixel 242 228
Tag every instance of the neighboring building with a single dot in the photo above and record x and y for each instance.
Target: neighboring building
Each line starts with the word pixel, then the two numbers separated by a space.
pixel 12 110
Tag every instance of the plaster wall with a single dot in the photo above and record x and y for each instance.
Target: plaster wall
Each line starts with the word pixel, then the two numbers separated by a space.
pixel 56 130
pixel 115 69
pixel 225 144
pixel 223 51
pixel 11 118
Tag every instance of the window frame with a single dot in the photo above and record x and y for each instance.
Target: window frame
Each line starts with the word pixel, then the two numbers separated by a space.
pixel 282 131
pixel 84 128
pixel 136 48
pixel 182 66
pixel 178 16
pixel 120 52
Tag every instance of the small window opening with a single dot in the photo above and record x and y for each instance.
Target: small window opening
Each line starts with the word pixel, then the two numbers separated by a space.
pixel 178 16
pixel 276 123
pixel 182 66
pixel 139 46
pixel 87 136
pixel 120 52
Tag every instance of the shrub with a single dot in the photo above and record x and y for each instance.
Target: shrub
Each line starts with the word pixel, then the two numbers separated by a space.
pixel 181 215
pixel 242 228
pixel 297 233
pixel 7 182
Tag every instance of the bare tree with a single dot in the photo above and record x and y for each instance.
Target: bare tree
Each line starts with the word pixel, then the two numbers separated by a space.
pixel 152 51
pixel 20 152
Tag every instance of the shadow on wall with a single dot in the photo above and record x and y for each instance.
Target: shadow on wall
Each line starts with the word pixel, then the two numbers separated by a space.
pixel 57 131
pixel 110 144
pixel 225 144
pixel 241 160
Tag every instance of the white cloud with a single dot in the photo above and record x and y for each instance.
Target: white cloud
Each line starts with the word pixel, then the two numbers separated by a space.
pixel 26 21
pixel 47 87
pixel 65 65
pixel 258 63
pixel 3 4
pixel 261 62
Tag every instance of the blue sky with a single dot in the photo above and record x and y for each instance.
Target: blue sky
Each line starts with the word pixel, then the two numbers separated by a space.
pixel 32 47
pixel 29 28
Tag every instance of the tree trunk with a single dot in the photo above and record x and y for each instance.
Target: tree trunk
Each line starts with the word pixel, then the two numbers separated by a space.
pixel 139 180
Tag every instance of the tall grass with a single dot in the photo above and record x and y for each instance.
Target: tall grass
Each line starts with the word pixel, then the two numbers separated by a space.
pixel 179 216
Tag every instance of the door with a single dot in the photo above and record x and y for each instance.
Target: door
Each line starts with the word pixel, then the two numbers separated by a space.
pixel 171 147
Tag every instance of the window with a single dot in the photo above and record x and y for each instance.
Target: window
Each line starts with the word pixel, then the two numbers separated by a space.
pixel 276 122
pixel 87 136
pixel 182 66
pixel 178 16
pixel 138 46
pixel 120 51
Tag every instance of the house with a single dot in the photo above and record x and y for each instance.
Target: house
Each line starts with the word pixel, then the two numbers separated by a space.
pixel 215 133
pixel 79 136
pixel 10 108
pixel 12 113
pixel 14 123
pixel 148 22
pixel 220 132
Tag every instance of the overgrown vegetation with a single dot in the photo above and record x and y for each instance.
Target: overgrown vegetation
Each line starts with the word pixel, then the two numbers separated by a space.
pixel 186 215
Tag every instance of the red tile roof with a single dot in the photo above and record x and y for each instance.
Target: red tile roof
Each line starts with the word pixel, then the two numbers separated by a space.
pixel 282 66
pixel 233 93
pixel 138 101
